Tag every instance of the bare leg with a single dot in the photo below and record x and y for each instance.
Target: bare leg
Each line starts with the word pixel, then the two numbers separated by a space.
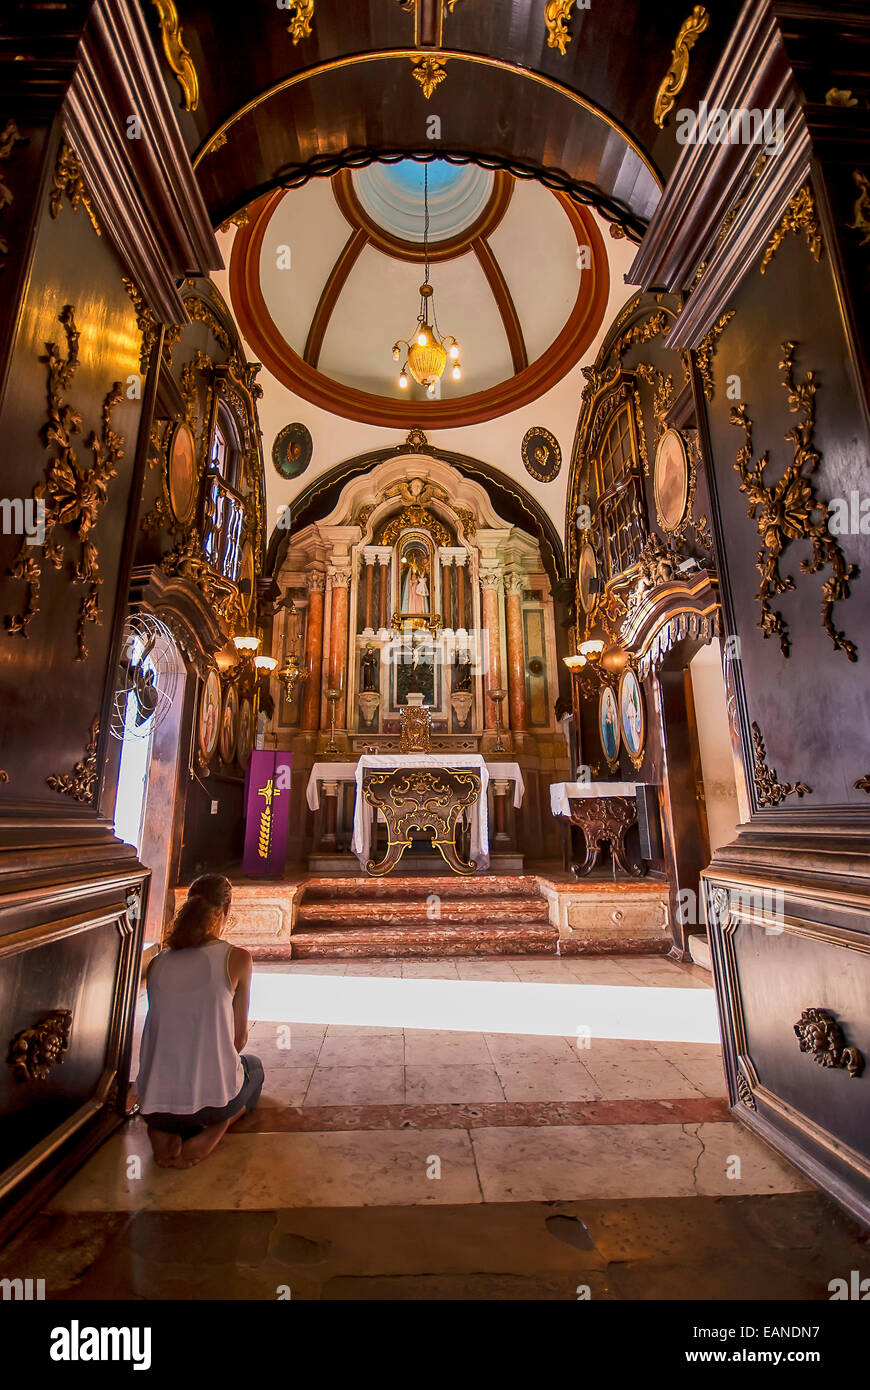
pixel 194 1150
pixel 166 1147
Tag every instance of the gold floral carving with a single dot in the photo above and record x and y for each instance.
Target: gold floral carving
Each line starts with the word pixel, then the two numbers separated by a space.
pixel 81 783
pixel 300 20
pixel 769 790
pixel 557 13
pixel 675 78
pixel 819 1034
pixel 145 322
pixel 68 182
pixel 34 1051
pixel 417 441
pixel 800 216
pixel 238 219
pixel 657 324
pixel 789 510
pixel 861 210
pixel 414 516
pixel 429 72
pixel 863 784
pixel 177 54
pixel 73 495
pixel 706 351
pixel 10 136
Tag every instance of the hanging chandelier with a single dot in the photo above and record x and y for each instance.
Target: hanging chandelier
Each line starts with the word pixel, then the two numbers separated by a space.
pixel 426 352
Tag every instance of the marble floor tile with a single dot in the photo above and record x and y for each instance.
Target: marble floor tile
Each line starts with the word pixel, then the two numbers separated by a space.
pixel 708 1076
pixel 257 1172
pixel 375 1085
pixel 638 1079
pixel 760 1168
pixel 485 970
pixel 457 1084
pixel 302 1052
pixel 549 972
pixel 378 969
pixel 547 1081
pixel 381 1049
pixel 429 970
pixel 285 1086
pixel 522 1049
pixel 307 967
pixel 428 1047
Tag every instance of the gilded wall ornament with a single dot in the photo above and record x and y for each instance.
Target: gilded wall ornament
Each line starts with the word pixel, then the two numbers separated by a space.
pixel 416 441
pixel 769 790
pixel 789 510
pixel 675 78
pixel 861 210
pixel 238 219
pixel 145 322
pixel 819 1033
pixel 863 784
pixel 68 182
pixel 10 137
pixel 744 1092
pixel 557 14
pixel 706 351
pixel 81 783
pixel 300 20
pixel 800 216
pixel 72 495
pixel 541 454
pixel 657 324
pixel 429 72
pixel 34 1051
pixel 177 55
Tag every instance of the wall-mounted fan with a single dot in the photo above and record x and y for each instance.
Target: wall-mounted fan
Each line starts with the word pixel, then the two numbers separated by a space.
pixel 148 675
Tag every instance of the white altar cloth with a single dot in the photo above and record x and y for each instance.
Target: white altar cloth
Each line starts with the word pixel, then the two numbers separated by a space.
pixel 563 792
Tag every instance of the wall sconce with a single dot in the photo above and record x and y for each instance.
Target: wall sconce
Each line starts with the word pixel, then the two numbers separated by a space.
pixel 592 650
pixel 265 663
pixel 246 642
pixel 575 663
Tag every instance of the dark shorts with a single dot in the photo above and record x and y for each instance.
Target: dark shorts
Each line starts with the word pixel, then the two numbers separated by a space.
pixel 188 1125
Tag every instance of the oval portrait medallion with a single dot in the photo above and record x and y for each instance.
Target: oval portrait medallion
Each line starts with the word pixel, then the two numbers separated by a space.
pixel 587 582
pixel 292 450
pixel 208 724
pixel 181 473
pixel 541 454
pixel 608 724
pixel 229 724
pixel 671 480
pixel 632 715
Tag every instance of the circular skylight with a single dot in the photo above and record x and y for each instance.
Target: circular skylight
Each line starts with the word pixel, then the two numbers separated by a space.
pixel 392 196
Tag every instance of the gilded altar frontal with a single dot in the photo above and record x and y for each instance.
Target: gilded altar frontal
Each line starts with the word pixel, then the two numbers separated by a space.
pixel 435 739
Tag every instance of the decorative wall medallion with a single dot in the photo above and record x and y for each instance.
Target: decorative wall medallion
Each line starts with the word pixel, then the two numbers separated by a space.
pixel 608 725
pixel 587 578
pixel 300 20
pixel 34 1051
pixel 819 1033
pixel 182 473
pixel 429 72
pixel 208 724
pixel 246 732
pixel 81 783
pixel 632 715
pixel 557 13
pixel 861 210
pixel 229 724
pixel 675 78
pixel 541 454
pixel 799 216
pixel 671 480
pixel 292 450
pixel 769 791
pixel 789 510
pixel 177 55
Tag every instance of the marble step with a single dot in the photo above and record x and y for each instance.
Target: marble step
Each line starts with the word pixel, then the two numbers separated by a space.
pixel 429 939
pixel 475 886
pixel 410 910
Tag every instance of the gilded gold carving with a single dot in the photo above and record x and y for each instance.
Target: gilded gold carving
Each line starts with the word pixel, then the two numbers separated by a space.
pixel 177 54
pixel 557 14
pixel 300 20
pixel 72 495
pixel 145 322
pixel 414 516
pixel 837 96
pixel 675 78
pixel 863 784
pixel 421 799
pixel 10 136
pixel 34 1051
pixel 819 1033
pixel 415 729
pixel 789 510
pixel 417 441
pixel 68 182
pixel 861 210
pixel 657 324
pixel 238 219
pixel 429 72
pixel 81 783
pixel 706 351
pixel 800 216
pixel 4 776
pixel 769 790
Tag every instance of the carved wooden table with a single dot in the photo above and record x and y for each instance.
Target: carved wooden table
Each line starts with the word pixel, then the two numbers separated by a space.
pixel 604 812
pixel 414 798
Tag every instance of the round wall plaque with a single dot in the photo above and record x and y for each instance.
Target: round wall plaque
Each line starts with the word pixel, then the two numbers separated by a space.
pixel 541 454
pixel 181 473
pixel 292 450
pixel 671 480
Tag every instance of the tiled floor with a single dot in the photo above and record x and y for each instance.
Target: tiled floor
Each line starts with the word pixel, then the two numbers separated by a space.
pixel 399 1086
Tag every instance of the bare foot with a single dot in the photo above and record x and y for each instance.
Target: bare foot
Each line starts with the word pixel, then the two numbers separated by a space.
pixel 166 1147
pixel 194 1150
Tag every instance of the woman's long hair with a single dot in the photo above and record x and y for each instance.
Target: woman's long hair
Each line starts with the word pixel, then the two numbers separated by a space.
pixel 203 916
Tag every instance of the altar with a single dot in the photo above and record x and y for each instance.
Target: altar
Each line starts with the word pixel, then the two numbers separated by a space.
pixel 604 812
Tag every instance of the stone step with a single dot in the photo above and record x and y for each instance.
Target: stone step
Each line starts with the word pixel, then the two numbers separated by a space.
pixel 429 939
pixel 403 911
pixel 475 886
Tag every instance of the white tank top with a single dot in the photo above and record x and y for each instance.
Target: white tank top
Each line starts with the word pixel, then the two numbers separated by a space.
pixel 188 1057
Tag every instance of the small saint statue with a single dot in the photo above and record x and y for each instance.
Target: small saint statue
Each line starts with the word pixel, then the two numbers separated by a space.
pixel 368 666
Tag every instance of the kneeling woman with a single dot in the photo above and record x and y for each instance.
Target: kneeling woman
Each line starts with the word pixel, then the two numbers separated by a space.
pixel 193 1080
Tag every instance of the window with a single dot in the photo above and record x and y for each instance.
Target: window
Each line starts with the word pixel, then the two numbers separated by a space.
pixel 620 497
pixel 223 508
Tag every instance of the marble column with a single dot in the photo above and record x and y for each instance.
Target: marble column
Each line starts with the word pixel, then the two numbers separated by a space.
pixel 516 657
pixel 491 583
pixel 339 578
pixel 316 582
pixel 370 593
pixel 460 592
pixel 446 615
pixel 384 562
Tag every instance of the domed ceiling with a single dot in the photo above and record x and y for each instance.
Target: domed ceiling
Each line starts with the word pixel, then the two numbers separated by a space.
pixel 326 278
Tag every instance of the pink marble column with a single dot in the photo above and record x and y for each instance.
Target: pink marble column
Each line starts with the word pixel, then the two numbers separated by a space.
pixel 339 581
pixel 516 657
pixel 370 591
pixel 313 651
pixel 490 582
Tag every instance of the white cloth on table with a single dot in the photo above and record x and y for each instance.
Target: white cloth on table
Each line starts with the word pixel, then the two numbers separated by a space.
pixel 327 772
pixel 388 762
pixel 561 793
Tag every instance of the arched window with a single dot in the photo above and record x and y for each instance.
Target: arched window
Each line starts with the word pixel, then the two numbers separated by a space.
pixel 223 505
pixel 621 521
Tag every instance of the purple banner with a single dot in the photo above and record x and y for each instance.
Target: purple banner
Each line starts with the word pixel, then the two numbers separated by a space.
pixel 267 812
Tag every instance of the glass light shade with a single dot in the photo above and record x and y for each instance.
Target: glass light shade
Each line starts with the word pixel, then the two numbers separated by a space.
pixel 574 663
pixel 403 380
pixel 454 351
pixel 246 642
pixel 265 663
pixel 592 648
pixel 426 364
pixel 457 372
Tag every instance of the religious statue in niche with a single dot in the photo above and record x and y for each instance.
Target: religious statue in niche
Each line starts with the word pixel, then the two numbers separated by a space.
pixel 369 662
pixel 415 582
pixel 462 683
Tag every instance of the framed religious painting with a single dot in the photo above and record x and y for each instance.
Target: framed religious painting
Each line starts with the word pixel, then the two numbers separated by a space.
pixel 245 740
pixel 208 721
pixel 671 480
pixel 632 715
pixel 229 724
pixel 181 473
pixel 608 725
